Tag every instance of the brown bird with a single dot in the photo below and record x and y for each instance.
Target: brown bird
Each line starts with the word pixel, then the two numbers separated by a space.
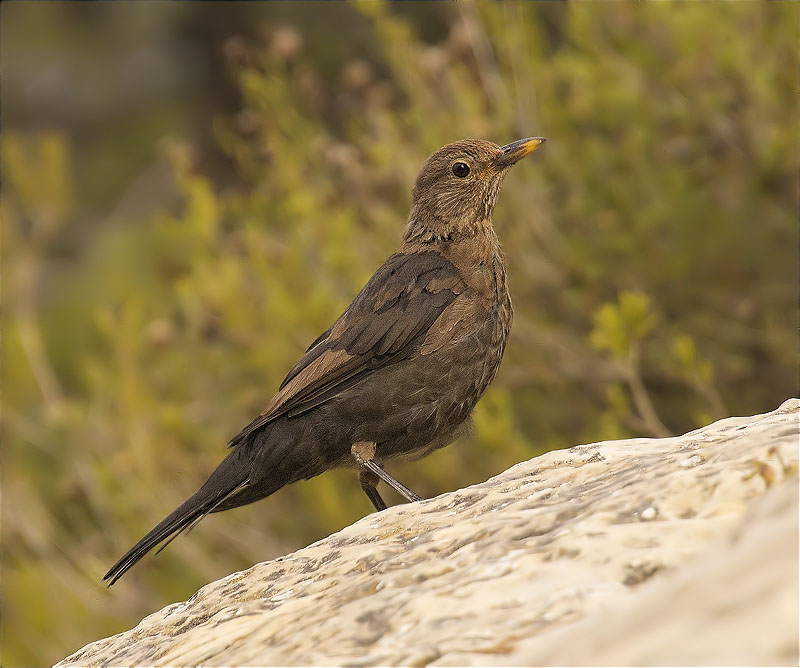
pixel 402 368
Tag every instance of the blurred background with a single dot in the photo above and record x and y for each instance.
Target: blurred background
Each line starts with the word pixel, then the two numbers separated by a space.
pixel 192 192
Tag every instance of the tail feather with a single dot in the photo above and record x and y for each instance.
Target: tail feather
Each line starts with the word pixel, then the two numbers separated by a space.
pixel 191 523
pixel 220 487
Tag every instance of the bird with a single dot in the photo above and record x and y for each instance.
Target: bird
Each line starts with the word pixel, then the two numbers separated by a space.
pixel 398 374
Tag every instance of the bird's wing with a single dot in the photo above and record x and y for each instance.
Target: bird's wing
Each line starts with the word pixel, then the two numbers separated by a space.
pixel 388 320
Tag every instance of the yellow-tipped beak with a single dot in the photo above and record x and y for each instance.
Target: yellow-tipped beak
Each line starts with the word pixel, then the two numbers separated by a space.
pixel 517 150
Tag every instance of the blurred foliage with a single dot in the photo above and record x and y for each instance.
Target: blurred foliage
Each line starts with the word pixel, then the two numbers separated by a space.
pixel 651 248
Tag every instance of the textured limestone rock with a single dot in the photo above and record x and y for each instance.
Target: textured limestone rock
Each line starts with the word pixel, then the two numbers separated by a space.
pixel 643 551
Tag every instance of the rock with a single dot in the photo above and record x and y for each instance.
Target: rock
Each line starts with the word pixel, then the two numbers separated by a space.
pixel 644 551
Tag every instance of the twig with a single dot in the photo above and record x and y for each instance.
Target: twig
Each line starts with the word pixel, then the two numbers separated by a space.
pixel 641 398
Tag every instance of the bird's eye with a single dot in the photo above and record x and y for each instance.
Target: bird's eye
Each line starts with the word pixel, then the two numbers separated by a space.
pixel 460 169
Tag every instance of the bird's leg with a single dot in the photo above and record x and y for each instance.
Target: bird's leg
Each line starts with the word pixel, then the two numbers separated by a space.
pixel 369 483
pixel 364 453
pixel 398 486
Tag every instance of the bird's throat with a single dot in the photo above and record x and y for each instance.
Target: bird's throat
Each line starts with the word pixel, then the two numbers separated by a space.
pixel 424 227
pixel 466 246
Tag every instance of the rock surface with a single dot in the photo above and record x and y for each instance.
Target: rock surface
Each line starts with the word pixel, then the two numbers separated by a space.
pixel 642 551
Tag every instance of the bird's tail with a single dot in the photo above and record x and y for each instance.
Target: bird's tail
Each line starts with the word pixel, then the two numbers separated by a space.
pixel 230 478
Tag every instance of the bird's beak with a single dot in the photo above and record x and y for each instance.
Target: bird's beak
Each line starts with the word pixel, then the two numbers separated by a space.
pixel 517 150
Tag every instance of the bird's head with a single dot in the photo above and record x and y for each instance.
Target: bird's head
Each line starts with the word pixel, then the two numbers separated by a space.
pixel 457 188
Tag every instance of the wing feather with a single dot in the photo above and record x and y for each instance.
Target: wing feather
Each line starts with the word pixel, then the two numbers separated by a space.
pixel 388 321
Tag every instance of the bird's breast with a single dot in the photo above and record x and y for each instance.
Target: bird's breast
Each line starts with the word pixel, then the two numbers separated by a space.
pixel 417 404
pixel 479 321
pixel 438 391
